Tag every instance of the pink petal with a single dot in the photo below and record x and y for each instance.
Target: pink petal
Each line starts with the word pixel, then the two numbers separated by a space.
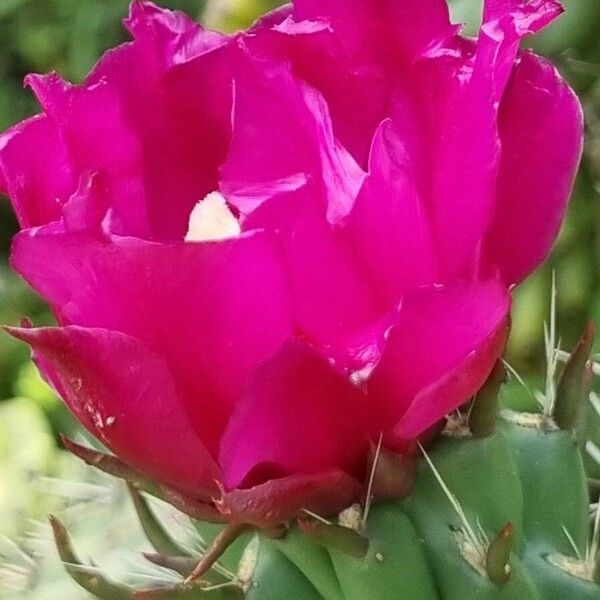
pixel 127 397
pixel 289 138
pixel 154 138
pixel 324 271
pixel 281 500
pixel 296 415
pixel 355 54
pixel 36 170
pixel 467 148
pixel 440 352
pixel 541 129
pixel 211 309
pixel 388 226
pixel 365 27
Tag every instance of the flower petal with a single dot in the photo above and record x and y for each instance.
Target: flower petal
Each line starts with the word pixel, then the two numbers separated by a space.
pixel 440 352
pixel 388 227
pixel 541 129
pixel 355 53
pixel 323 268
pixel 466 153
pixel 297 415
pixel 126 396
pixel 290 137
pixel 212 309
pixel 153 138
pixel 364 27
pixel 36 170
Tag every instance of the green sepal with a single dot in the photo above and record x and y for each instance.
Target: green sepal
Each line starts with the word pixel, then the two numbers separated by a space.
pixel 94 582
pixel 183 565
pixel 573 386
pixel 156 534
pixel 497 560
pixel 484 410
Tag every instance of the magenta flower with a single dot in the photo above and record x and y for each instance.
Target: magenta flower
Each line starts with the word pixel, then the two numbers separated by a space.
pixel 266 250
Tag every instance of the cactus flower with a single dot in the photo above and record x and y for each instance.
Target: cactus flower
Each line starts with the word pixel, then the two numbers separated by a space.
pixel 267 250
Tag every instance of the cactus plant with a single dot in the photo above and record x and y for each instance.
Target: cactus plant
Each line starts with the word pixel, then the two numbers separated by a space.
pixel 315 283
pixel 499 508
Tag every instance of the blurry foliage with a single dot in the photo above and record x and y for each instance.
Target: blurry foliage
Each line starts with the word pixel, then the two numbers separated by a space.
pixel 68 36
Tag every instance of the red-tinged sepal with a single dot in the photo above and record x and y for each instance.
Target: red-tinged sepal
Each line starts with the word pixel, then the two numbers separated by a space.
pixel 217 548
pixel 197 509
pixel 392 474
pixel 280 500
pixel 497 561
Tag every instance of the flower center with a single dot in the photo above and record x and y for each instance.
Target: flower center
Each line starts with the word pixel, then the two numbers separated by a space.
pixel 211 219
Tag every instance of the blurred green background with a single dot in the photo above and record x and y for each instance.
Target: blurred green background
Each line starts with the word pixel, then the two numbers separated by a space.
pixel 36 476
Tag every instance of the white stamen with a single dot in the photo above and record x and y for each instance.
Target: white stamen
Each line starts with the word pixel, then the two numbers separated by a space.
pixel 211 219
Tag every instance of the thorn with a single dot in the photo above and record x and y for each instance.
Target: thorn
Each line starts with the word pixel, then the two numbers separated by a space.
pixel 374 461
pixel 336 537
pixel 86 576
pixel 219 545
pixel 484 411
pixel 497 560
pixel 572 390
